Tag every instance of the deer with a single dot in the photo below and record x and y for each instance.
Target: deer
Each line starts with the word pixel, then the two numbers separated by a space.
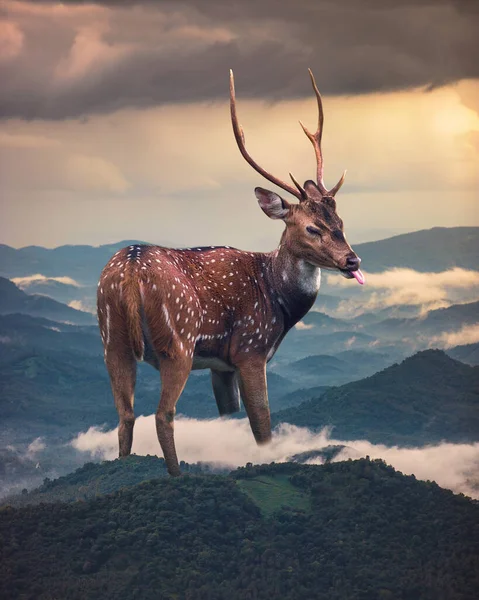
pixel 218 307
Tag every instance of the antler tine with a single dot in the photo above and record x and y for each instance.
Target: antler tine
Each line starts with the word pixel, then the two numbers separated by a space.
pixel 299 186
pixel 315 138
pixel 240 140
pixel 334 190
pixel 316 141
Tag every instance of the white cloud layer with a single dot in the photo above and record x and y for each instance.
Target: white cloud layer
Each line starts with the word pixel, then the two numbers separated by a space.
pixel 230 443
pixel 406 286
pixel 24 282
pixel 469 334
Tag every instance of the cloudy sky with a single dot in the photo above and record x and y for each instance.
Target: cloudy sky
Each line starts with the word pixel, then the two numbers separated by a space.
pixel 114 119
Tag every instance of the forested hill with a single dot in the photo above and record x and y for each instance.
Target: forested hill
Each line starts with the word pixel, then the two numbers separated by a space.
pixel 355 529
pixel 427 398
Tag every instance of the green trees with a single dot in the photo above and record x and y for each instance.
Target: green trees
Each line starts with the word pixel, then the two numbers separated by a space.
pixel 368 533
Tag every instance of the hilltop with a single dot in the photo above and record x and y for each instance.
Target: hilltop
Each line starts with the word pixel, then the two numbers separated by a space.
pixel 427 398
pixel 357 529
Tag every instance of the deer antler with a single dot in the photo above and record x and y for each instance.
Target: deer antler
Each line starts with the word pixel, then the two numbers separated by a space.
pixel 315 139
pixel 239 135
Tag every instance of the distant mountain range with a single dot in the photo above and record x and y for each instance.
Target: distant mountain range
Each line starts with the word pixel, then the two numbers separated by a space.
pixel 431 250
pixel 333 369
pixel 81 263
pixel 447 319
pixel 14 300
pixel 469 353
pixel 427 398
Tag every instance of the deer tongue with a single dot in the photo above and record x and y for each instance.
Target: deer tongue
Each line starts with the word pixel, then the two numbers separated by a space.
pixel 358 276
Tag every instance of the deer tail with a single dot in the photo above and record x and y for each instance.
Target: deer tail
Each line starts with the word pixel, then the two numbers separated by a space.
pixel 132 303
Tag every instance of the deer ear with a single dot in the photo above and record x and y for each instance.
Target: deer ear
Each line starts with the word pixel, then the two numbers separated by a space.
pixel 272 204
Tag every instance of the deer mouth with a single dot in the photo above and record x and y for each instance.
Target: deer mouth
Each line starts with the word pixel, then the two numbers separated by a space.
pixel 357 274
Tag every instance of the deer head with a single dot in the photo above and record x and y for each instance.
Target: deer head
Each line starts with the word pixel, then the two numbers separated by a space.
pixel 314 231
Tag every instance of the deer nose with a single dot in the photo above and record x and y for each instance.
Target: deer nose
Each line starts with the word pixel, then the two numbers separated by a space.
pixel 353 262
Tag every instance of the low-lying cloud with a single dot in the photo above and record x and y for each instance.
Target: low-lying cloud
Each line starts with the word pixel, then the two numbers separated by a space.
pixel 25 282
pixel 409 287
pixel 229 443
pixel 468 334
pixel 80 305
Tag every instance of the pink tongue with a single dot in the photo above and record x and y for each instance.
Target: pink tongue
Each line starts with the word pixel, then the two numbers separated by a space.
pixel 358 276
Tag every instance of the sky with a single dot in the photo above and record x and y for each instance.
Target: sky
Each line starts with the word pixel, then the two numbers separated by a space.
pixel 114 116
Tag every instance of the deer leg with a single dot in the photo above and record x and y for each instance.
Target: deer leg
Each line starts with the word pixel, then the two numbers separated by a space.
pixel 121 367
pixel 254 393
pixel 174 374
pixel 226 390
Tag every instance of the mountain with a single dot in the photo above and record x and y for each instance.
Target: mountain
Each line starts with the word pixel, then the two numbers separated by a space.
pixel 429 250
pixel 469 353
pixel 81 263
pixel 322 368
pixel 426 399
pixel 92 480
pixel 300 343
pixel 22 332
pixel 329 370
pixel 357 529
pixel 397 311
pixel 60 291
pixel 436 321
pixel 14 300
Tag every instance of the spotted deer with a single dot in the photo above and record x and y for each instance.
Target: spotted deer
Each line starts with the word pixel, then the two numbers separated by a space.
pixel 217 307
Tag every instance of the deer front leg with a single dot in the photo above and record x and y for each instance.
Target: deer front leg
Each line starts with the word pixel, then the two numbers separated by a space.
pixel 254 393
pixel 174 374
pixel 226 390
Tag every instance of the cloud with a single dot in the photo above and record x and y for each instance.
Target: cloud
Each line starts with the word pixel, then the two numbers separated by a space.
pixel 11 40
pixel 169 160
pixel 80 305
pixel 24 282
pixel 38 445
pixel 409 287
pixel 94 173
pixel 302 326
pixel 10 140
pixel 468 334
pixel 230 443
pixel 74 59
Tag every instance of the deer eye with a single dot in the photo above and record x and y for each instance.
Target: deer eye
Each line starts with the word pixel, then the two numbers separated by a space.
pixel 313 231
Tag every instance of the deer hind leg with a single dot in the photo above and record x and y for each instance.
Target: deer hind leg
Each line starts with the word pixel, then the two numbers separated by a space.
pixel 174 374
pixel 254 393
pixel 121 366
pixel 226 390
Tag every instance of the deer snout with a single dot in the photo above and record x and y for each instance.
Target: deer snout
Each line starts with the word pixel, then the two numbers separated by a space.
pixel 353 262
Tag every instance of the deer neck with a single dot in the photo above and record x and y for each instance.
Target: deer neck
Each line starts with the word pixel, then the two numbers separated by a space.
pixel 295 281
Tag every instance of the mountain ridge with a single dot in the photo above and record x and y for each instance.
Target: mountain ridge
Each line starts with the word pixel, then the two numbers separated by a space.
pixel 427 398
pixel 427 250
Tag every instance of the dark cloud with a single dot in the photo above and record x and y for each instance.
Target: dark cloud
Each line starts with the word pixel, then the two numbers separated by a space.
pixel 145 53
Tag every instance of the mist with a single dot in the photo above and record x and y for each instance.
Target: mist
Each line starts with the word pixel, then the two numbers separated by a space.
pixel 401 286
pixel 25 282
pixel 229 443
